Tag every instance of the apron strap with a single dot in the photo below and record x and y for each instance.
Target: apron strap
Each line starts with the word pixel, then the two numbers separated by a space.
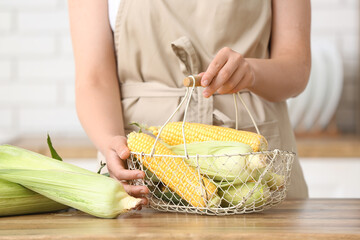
pixel 134 89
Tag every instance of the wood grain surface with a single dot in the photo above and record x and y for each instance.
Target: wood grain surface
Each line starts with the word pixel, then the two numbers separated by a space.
pixel 302 219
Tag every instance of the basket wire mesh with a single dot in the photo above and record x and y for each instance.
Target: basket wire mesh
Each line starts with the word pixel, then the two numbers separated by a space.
pixel 245 183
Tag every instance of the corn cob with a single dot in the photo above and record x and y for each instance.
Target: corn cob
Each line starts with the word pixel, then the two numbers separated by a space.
pixel 173 171
pixel 65 183
pixel 197 132
pixel 18 200
pixel 235 194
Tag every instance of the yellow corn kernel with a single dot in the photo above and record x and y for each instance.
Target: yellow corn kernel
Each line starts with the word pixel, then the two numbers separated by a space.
pixel 173 171
pixel 197 132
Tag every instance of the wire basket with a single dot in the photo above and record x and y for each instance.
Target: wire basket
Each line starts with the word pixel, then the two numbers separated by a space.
pixel 241 183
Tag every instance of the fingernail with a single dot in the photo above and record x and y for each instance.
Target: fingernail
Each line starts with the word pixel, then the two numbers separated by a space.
pixel 206 93
pixel 205 82
pixel 139 175
pixel 122 153
pixel 142 191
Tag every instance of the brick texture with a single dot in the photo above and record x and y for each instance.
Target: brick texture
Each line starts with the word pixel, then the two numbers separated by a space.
pixel 52 21
pixel 5 21
pixel 6 119
pixel 26 4
pixel 42 119
pixel 5 70
pixel 50 69
pixel 20 46
pixel 28 95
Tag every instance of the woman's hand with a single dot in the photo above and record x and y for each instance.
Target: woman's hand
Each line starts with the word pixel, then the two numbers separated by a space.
pixel 229 72
pixel 281 76
pixel 116 156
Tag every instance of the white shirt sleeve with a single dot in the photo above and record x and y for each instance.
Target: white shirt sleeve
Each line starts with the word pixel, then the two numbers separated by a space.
pixel 113 7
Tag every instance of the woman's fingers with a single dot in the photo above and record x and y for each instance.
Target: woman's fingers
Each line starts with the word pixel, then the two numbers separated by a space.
pixel 116 167
pixel 234 80
pixel 225 73
pixel 224 76
pixel 117 171
pixel 115 160
pixel 216 64
pixel 243 83
pixel 119 144
pixel 136 191
pixel 229 72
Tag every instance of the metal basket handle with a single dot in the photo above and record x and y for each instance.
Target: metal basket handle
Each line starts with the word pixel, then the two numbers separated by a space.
pixel 187 97
pixel 192 82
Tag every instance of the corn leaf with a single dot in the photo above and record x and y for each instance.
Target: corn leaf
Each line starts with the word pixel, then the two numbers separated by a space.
pixel 53 152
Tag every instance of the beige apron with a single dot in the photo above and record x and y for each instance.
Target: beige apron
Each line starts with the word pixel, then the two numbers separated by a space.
pixel 159 42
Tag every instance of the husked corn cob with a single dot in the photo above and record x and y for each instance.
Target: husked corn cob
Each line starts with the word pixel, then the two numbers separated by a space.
pixel 173 171
pixel 197 132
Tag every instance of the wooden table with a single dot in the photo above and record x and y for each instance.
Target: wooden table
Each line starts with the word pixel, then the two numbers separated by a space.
pixel 309 219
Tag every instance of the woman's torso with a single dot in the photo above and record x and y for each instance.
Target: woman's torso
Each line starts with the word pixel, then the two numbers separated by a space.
pixel 159 42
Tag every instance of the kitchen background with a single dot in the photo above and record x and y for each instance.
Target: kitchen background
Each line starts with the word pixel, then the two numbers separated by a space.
pixel 37 91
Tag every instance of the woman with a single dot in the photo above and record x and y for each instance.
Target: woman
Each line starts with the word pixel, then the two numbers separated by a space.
pixel 134 73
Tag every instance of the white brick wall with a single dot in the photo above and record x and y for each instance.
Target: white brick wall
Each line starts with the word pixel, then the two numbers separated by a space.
pixel 26 4
pixel 6 119
pixel 37 69
pixel 65 45
pixel 26 46
pixel 5 70
pixel 57 120
pixel 69 94
pixel 51 69
pixel 28 94
pixel 55 21
pixel 5 21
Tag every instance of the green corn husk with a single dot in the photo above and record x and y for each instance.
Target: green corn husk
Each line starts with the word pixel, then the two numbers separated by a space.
pixel 226 168
pixel 12 157
pixel 275 181
pixel 235 194
pixel 65 183
pixel 272 180
pixel 18 200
